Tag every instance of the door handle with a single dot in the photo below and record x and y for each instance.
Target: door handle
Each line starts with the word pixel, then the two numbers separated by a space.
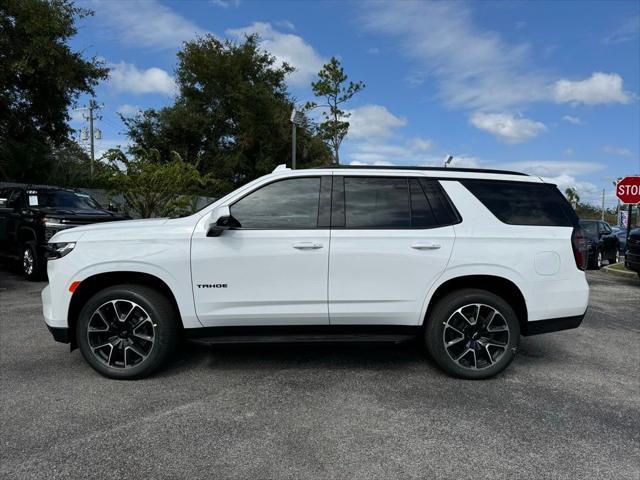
pixel 307 245
pixel 425 246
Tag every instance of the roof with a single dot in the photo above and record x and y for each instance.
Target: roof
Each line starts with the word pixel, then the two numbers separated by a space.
pixel 434 169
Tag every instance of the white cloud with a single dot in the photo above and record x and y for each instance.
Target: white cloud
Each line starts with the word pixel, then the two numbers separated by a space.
pixel 600 88
pixel 573 120
pixel 627 31
pixel 611 150
pixel 226 3
pixel 129 110
pixel 372 121
pixel 554 168
pixel 286 47
pixel 285 24
pixel 474 68
pixel 588 191
pixel 77 114
pixel 506 127
pixel 421 144
pixel 126 77
pixel 148 24
pixel 568 152
pixel 378 152
pixel 373 50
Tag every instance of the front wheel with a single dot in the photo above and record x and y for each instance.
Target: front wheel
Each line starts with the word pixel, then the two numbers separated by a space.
pixel 472 334
pixel 32 264
pixel 127 331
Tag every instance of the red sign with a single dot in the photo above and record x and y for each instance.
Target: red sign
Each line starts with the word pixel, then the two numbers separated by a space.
pixel 628 190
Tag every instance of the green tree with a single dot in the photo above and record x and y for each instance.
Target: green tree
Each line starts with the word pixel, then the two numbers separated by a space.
pixel 70 166
pixel 153 188
pixel 40 78
pixel 332 86
pixel 231 116
pixel 572 195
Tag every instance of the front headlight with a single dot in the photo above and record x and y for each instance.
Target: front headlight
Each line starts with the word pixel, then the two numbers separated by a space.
pixel 50 222
pixel 59 250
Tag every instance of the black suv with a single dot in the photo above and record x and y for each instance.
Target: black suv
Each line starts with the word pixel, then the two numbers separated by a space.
pixel 29 217
pixel 602 242
pixel 632 255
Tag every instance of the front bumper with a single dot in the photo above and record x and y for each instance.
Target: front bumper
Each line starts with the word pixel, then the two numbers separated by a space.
pixel 632 261
pixel 548 325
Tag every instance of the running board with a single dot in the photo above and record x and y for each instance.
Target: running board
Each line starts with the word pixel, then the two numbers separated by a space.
pixel 303 334
pixel 304 338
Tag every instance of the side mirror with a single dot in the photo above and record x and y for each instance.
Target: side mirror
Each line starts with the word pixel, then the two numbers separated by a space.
pixel 219 221
pixel 112 207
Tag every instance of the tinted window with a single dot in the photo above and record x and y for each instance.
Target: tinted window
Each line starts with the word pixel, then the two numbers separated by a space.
pixel 421 214
pixel 375 202
pixel 518 203
pixel 285 204
pixel 591 228
pixel 61 199
pixel 442 209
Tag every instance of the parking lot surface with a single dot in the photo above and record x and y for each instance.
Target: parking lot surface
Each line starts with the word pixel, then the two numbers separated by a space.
pixel 568 407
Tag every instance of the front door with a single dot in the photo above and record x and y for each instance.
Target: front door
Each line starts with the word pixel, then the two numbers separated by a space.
pixel 388 247
pixel 272 268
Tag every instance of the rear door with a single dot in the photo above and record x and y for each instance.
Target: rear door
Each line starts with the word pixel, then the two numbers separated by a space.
pixel 391 238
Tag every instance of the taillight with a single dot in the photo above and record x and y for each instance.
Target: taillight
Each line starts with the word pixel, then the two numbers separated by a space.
pixel 580 248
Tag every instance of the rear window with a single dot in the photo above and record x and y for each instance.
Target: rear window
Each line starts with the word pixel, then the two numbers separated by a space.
pixel 517 203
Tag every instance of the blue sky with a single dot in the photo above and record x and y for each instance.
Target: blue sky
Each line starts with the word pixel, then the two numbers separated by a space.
pixel 550 88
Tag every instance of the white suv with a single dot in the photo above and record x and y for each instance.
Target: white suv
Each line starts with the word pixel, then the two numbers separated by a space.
pixel 467 259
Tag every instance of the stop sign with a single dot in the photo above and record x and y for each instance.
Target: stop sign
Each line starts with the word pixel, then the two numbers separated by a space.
pixel 628 190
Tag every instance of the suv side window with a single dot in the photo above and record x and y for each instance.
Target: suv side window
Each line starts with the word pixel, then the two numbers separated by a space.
pixel 376 202
pixel 285 204
pixel 15 199
pixel 390 203
pixel 519 203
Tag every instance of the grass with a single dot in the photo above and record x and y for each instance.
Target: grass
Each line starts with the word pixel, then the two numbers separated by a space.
pixel 620 267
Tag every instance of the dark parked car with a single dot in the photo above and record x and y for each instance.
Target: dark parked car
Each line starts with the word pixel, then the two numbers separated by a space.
pixel 632 255
pixel 602 242
pixel 621 233
pixel 29 217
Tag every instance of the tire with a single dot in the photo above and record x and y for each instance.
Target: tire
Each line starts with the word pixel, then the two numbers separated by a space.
pixel 595 262
pixel 31 264
pixel 615 258
pixel 480 338
pixel 116 346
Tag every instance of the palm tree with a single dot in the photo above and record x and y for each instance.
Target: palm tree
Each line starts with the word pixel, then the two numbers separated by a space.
pixel 572 196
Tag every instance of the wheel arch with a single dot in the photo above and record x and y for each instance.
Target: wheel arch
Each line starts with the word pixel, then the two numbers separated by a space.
pixel 497 285
pixel 93 284
pixel 26 234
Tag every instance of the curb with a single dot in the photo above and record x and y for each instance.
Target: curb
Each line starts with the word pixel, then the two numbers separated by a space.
pixel 621 273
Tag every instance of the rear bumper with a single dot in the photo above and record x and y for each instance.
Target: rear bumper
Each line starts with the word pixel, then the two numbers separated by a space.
pixel 553 325
pixel 60 334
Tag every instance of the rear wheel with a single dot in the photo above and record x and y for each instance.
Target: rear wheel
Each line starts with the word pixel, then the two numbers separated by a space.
pixel 615 258
pixel 595 262
pixel 127 331
pixel 472 334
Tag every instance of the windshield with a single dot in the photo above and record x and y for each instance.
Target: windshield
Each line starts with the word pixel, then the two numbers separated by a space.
pixel 63 199
pixel 590 227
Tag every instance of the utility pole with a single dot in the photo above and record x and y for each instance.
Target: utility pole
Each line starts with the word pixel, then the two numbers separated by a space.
pixel 603 204
pixel 93 134
pixel 297 119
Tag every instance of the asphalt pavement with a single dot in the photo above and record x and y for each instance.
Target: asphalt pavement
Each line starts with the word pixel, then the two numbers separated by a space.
pixel 568 406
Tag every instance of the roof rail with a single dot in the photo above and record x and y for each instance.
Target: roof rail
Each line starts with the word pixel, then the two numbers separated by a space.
pixel 436 169
pixel 282 166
